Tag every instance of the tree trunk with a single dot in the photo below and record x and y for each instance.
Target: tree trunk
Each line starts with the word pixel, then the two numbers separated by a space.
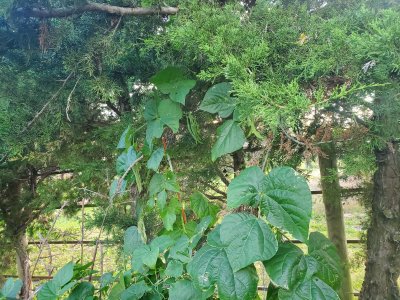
pixel 331 195
pixel 239 163
pixel 383 240
pixel 23 264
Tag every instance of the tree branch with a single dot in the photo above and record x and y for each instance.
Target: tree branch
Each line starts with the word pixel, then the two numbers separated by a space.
pixel 94 7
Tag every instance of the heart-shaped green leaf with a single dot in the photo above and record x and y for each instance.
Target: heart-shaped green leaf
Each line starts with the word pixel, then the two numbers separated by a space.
pixel 218 100
pixel 286 202
pixel 230 137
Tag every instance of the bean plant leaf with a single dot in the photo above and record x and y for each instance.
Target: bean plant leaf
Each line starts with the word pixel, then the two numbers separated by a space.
pixel 11 288
pixel 162 242
pixel 168 215
pixel 64 275
pixel 161 199
pixel 211 265
pixel 172 81
pixel 59 284
pixel 230 137
pixel 126 137
pixel 181 251
pixel 185 290
pixel 248 240
pixel 160 182
pixel 159 113
pixel 170 114
pixel 312 289
pixel 202 207
pixel 174 268
pixel 83 291
pixel 117 187
pixel 245 188
pixel 117 289
pixel 155 159
pixel 132 240
pixel 240 285
pixel 286 202
pixel 218 100
pixel 135 291
pixel 145 255
pixel 290 266
pixel 324 251
pixel 125 160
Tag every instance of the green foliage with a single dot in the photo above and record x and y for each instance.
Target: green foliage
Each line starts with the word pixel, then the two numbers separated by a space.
pixel 225 253
pixel 278 195
pixel 230 137
pixel 218 100
pixel 171 81
pixel 10 289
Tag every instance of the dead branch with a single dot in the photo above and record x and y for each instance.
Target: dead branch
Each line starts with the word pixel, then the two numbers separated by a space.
pixel 63 12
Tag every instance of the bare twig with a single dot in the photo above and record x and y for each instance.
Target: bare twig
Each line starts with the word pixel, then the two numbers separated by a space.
pixel 46 238
pixel 67 108
pixel 39 113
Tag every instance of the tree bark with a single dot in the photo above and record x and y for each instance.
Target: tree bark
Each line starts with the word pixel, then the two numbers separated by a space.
pixel 383 239
pixel 331 195
pixel 239 163
pixel 23 265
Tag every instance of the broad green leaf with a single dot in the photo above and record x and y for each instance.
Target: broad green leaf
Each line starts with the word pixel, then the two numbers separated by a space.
pixel 174 268
pixel 290 266
pixel 168 215
pixel 125 160
pixel 202 207
pixel 135 291
pixel 199 231
pixel 11 288
pixel 162 242
pixel 154 129
pixel 156 184
pixel 181 251
pixel 161 199
pixel 124 141
pixel 240 285
pixel 286 202
pixel 117 289
pixel 249 240
pixel 64 275
pixel 145 255
pixel 155 159
pixel 83 291
pixel 324 251
pixel 48 291
pixel 150 110
pixel 312 289
pixel 211 265
pixel 245 188
pixel 170 182
pixel 172 81
pixel 158 114
pixel 116 188
pixel 272 292
pixel 218 100
pixel 230 137
pixel 132 240
pixel 106 279
pixel 160 182
pixel 170 113
pixel 185 290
